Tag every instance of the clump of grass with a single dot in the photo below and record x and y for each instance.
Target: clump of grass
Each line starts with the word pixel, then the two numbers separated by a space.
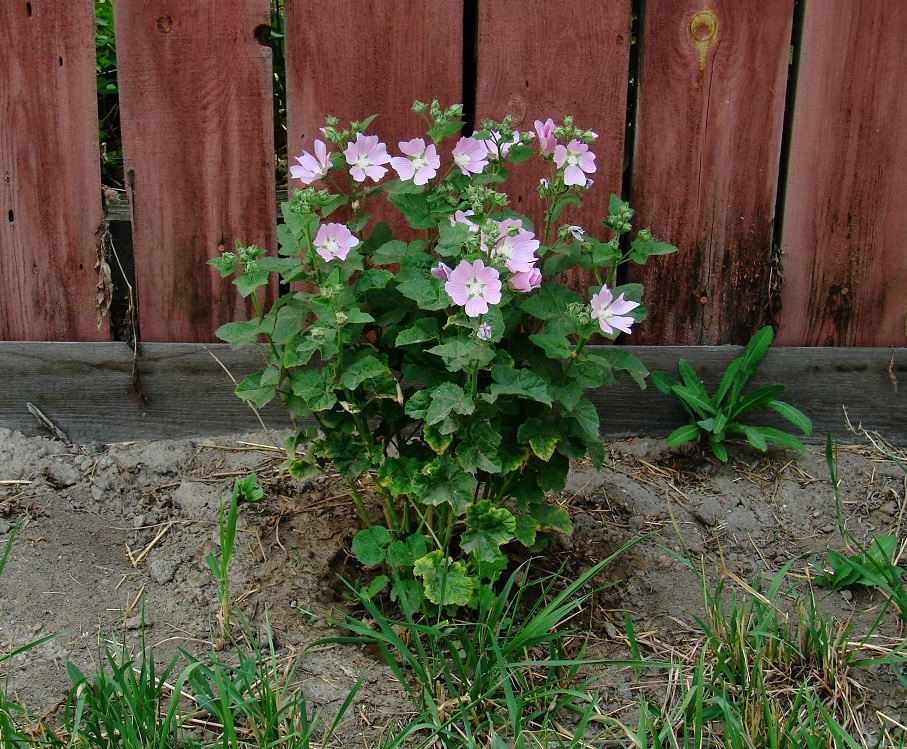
pixel 512 675
pixel 769 670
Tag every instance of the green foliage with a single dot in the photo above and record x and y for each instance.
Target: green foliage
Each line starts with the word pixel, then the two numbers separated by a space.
pixel 503 678
pixel 715 417
pixel 245 489
pixel 871 567
pixel 466 418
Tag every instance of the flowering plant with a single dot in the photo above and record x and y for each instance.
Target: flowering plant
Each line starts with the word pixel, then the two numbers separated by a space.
pixel 445 370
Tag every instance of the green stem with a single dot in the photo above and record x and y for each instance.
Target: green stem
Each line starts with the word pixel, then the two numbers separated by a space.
pixel 359 503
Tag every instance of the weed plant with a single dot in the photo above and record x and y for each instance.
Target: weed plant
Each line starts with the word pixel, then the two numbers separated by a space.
pixel 513 672
pixel 876 566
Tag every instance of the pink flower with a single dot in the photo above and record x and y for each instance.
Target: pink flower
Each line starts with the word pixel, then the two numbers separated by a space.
pixel 484 332
pixel 365 157
pixel 474 286
pixel 526 280
pixel 311 168
pixel 611 312
pixel 497 147
pixel 515 246
pixel 420 164
pixel 462 217
pixel 545 132
pixel 575 158
pixel 334 241
pixel 470 155
pixel 441 271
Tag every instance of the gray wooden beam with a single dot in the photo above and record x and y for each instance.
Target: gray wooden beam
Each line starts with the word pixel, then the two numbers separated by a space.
pixel 85 389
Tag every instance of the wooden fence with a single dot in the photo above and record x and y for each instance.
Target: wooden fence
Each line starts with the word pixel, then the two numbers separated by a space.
pixel 767 139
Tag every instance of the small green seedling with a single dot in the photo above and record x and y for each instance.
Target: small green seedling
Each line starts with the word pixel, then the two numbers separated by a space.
pixel 244 490
pixel 716 417
pixel 870 568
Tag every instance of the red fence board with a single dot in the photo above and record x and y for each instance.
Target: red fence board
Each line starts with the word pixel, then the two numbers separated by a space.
pixel 708 138
pixel 845 217
pixel 561 57
pixel 356 59
pixel 198 146
pixel 50 194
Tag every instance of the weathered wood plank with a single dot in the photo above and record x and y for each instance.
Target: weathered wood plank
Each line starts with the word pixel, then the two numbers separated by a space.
pixel 85 389
pixel 845 216
pixel 705 170
pixel 583 73
pixel 50 193
pixel 353 60
pixel 198 143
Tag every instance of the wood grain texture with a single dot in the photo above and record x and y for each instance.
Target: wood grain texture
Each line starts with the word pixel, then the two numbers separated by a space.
pixel 50 193
pixel 355 59
pixel 709 120
pixel 198 145
pixel 553 59
pixel 845 216
pixel 84 388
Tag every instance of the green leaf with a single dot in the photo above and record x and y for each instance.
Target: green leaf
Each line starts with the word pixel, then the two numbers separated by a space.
pixel 442 481
pixel 793 415
pixel 365 368
pixel 488 528
pixel 555 345
pixel 377 584
pixel 239 334
pixel 663 382
pixel 550 518
pixel 407 593
pixel 248 282
pixel 259 387
pixel 415 209
pixel 691 379
pixel 446 582
pixel 478 449
pixel 403 554
pixel 370 545
pixel 756 400
pixel 448 398
pixel 694 401
pixel 549 301
pixel 423 288
pixel 686 433
pixel 315 388
pixel 718 448
pixel 525 530
pixel 728 385
pixel 523 383
pixel 390 252
pixel 246 489
pixel 462 353
pixel 425 329
pixel 779 438
pixel 373 279
pixel 754 437
pixel 540 435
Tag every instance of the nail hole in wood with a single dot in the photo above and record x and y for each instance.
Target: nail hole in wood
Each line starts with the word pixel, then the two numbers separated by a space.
pixel 60 61
pixel 28 9
pixel 11 216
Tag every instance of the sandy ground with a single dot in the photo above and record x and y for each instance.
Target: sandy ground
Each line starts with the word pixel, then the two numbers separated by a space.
pixel 108 532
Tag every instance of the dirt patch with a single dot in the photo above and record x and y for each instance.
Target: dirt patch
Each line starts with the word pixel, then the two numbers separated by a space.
pixel 114 536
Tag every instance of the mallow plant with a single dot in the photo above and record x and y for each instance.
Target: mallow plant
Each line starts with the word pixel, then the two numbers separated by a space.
pixel 441 370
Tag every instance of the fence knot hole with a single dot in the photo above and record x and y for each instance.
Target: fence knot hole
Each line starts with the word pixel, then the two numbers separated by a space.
pixel 262 34
pixel 165 24
pixel 703 33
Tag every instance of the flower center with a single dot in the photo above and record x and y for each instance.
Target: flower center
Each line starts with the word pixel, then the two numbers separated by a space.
pixel 462 159
pixel 419 162
pixel 363 162
pixel 331 246
pixel 475 288
pixel 572 159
